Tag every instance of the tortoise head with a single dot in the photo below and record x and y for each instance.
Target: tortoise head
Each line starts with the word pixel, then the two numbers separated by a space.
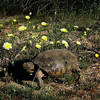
pixel 29 67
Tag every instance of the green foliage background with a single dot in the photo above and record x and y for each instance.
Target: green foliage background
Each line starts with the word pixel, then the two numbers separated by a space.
pixel 49 6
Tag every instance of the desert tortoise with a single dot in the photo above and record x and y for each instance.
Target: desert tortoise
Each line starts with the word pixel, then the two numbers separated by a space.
pixel 53 62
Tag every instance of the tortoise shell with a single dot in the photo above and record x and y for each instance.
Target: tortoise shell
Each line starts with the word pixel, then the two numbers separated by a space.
pixel 57 61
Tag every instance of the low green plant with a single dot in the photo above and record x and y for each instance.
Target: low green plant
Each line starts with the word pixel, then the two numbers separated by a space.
pixel 1 97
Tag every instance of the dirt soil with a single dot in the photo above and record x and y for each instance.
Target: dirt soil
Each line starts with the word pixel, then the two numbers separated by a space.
pixel 87 89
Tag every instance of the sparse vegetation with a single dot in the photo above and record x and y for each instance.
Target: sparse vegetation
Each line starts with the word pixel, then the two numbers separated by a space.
pixel 24 36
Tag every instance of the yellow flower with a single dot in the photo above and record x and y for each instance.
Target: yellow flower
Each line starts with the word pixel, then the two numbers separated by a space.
pixel 96 55
pixel 78 43
pixel 30 42
pixel 24 48
pixel 44 38
pixel 14 20
pixel 30 13
pixel 22 28
pixel 1 26
pixel 38 46
pixel 76 26
pixel 87 29
pixel 51 42
pixel 58 42
pixel 65 43
pixel 27 17
pixel 43 23
pixel 40 43
pixel 10 35
pixel 4 69
pixel 85 33
pixel 64 30
pixel 34 27
pixel 7 45
pixel 38 27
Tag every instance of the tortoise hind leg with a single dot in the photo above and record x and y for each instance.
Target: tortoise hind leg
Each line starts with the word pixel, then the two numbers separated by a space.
pixel 39 76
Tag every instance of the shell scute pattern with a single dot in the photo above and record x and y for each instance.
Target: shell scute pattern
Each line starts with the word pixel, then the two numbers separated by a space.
pixel 56 61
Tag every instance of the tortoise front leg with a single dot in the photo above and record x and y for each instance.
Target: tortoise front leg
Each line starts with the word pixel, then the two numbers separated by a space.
pixel 39 76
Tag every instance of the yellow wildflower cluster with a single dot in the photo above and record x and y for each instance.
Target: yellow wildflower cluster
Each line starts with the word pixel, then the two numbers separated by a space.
pixel 97 55
pixel 64 30
pixel 27 17
pixel 34 27
pixel 64 42
pixel 78 42
pixel 30 42
pixel 10 35
pixel 85 33
pixel 76 26
pixel 1 26
pixel 22 28
pixel 38 27
pixel 51 42
pixel 7 45
pixel 30 13
pixel 38 46
pixel 88 29
pixel 58 42
pixel 44 38
pixel 14 20
pixel 44 24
